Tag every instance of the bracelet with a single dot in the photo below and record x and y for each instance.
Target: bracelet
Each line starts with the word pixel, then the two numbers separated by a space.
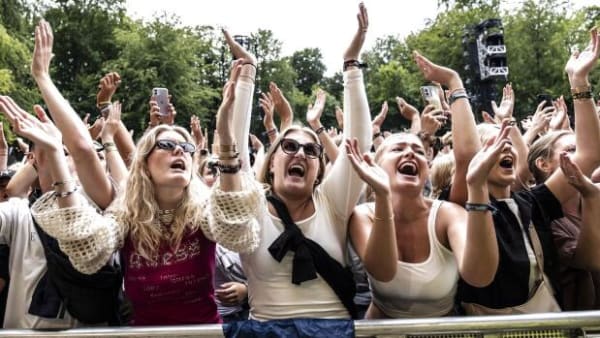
pixel 109 148
pixel 56 184
pixel 229 156
pixel 108 144
pixel 229 169
pixel 577 90
pixel 103 103
pixel 391 218
pixel 480 207
pixel 461 89
pixel 456 96
pixel 582 95
pixel 272 131
pixel 319 130
pixel 105 109
pixel 354 63
pixel 65 193
pixel 227 148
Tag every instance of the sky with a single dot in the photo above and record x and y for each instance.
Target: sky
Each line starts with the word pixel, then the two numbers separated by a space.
pixel 326 24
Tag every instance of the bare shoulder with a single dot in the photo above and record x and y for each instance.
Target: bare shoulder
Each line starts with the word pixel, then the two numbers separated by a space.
pixel 363 213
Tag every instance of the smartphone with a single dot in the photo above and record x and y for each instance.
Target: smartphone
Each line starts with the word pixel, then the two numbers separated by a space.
pixel 161 96
pixel 546 98
pixel 431 96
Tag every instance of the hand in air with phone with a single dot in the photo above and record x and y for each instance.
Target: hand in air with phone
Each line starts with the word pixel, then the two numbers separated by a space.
pixel 161 109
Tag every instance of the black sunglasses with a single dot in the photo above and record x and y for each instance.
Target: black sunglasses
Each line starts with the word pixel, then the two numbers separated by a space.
pixel 291 146
pixel 171 145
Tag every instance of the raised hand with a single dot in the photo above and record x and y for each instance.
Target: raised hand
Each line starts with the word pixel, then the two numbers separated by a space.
pixel 112 122
pixel 197 134
pixel 541 118
pixel 485 159
pixel 238 51
pixel 313 115
pixel 96 128
pixel 281 104
pixel 107 87
pixel 576 178
pixel 435 73
pixel 358 40
pixel 487 118
pixel 580 64
pixel 42 51
pixel 407 110
pixel 339 117
pixel 268 107
pixel 507 105
pixel 255 142
pixel 40 130
pixel 366 168
pixel 558 120
pixel 380 118
pixel 432 119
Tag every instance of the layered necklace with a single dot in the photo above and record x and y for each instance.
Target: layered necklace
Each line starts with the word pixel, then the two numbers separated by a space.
pixel 165 217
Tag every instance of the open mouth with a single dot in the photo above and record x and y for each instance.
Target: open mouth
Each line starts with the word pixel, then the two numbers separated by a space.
pixel 296 170
pixel 408 168
pixel 178 164
pixel 507 162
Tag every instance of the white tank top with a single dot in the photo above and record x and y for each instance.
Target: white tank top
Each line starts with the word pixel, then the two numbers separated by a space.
pixel 424 289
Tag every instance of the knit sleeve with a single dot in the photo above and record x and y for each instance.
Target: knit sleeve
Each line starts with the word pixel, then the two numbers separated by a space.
pixel 87 237
pixel 233 216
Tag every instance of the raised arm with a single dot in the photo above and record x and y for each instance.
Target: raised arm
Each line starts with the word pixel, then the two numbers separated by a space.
pixel 268 107
pixel 505 112
pixel 242 107
pixel 76 137
pixel 374 236
pixel 356 125
pixel 410 113
pixel 313 117
pixel 476 247
pixel 116 166
pixel 587 251
pixel 282 106
pixel 465 139
pixel 587 126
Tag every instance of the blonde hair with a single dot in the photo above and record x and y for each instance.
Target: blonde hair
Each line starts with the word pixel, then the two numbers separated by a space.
pixel 137 209
pixel 264 174
pixel 441 173
pixel 543 148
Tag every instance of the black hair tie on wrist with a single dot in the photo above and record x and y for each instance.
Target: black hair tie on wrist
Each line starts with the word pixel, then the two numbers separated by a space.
pixel 355 63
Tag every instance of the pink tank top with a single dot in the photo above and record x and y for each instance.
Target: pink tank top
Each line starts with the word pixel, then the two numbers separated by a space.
pixel 177 288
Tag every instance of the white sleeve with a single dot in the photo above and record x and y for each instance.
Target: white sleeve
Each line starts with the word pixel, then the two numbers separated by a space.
pixel 342 185
pixel 242 111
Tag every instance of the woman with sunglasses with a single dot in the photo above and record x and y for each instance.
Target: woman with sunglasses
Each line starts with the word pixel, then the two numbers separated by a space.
pixel 165 222
pixel 284 281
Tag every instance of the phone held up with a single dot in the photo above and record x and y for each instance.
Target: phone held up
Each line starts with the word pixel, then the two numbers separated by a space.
pixel 161 95
pixel 431 96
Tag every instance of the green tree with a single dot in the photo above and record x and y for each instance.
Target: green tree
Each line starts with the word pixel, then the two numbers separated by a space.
pixel 308 64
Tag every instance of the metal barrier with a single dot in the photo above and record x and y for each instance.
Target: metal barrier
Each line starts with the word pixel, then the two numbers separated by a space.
pixel 548 325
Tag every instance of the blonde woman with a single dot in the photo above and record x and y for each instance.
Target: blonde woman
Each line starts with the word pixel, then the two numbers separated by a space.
pixel 165 223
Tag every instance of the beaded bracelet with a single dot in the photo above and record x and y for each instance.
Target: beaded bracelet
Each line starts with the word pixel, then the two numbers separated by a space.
pixel 319 130
pixel 479 207
pixel 65 193
pixel 582 95
pixel 229 169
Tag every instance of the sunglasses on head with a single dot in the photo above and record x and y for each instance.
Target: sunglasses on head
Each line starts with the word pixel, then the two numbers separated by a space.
pixel 170 145
pixel 291 147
